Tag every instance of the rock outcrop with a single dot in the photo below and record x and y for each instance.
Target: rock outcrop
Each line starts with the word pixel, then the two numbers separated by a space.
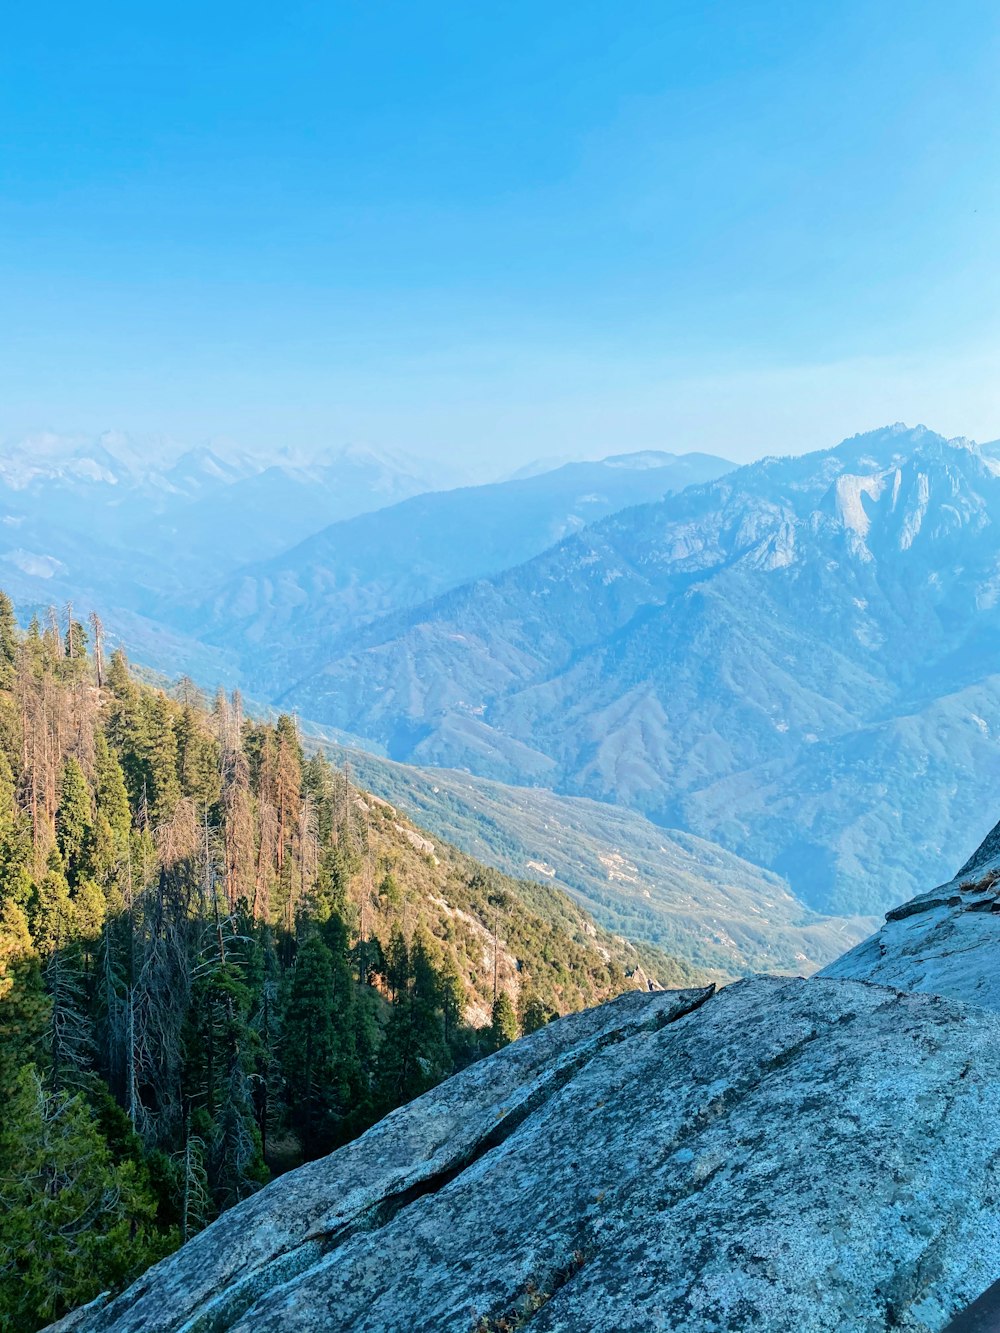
pixel 944 942
pixel 784 1154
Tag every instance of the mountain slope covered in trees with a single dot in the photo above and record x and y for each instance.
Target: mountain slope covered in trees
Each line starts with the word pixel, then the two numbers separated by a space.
pixel 678 891
pixel 766 660
pixel 218 958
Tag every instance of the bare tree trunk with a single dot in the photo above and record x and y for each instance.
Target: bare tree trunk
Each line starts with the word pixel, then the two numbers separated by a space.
pixel 131 1082
pixel 98 629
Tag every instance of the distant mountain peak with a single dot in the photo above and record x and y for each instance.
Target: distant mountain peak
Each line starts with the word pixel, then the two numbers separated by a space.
pixel 890 445
pixel 644 458
pixel 766 658
pixel 637 460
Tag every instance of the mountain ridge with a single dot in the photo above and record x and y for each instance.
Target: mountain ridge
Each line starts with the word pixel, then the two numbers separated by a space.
pixel 679 646
pixel 316 594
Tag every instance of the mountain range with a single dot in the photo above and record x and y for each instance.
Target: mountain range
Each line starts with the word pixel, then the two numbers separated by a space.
pixel 283 616
pixel 169 514
pixel 215 560
pixel 795 660
pixel 122 525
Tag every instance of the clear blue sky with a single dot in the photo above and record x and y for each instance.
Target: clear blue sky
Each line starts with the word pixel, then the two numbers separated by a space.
pixel 511 229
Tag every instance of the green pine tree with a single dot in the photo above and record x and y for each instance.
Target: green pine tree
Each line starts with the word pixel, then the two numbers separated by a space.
pixel 8 641
pixel 309 1046
pixel 24 1005
pixel 503 1028
pixel 348 1085
pixel 453 1001
pixel 74 818
pixel 72 1221
pixel 163 788
pixel 413 1055
pixel 197 759
pixel 111 794
pixel 51 915
pixel 16 845
pixel 397 965
pixel 125 729
pixel 535 1013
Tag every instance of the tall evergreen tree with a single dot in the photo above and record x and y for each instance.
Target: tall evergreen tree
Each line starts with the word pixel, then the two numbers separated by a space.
pixel 349 1091
pixel 8 642
pixel 426 996
pixel 197 759
pixel 112 818
pixel 51 911
pixel 398 965
pixel 24 1005
pixel 453 1001
pixel 75 644
pixel 413 1055
pixel 73 820
pixel 125 728
pixel 503 1028
pixel 162 785
pixel 310 1046
pixel 16 843
pixel 535 1013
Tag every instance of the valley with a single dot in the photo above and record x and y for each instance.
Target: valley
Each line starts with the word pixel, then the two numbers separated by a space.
pixel 690 897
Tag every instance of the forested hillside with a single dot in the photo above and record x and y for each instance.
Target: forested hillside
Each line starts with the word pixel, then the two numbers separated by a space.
pixel 217 959
pixel 693 898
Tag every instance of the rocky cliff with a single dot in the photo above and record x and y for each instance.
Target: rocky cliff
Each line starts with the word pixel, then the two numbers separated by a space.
pixel 781 1155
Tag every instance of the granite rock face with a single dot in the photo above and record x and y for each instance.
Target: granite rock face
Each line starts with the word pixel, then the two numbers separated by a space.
pixel 783 1156
pixel 944 942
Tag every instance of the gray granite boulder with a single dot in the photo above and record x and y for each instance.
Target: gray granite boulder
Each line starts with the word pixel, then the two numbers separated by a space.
pixel 785 1155
pixel 793 1155
pixel 944 942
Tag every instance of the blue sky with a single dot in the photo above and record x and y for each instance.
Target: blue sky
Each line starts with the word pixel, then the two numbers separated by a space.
pixel 501 231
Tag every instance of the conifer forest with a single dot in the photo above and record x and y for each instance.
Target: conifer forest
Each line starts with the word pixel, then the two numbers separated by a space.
pixel 218 959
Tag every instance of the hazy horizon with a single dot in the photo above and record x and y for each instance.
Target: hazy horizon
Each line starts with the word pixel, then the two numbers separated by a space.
pixel 165 450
